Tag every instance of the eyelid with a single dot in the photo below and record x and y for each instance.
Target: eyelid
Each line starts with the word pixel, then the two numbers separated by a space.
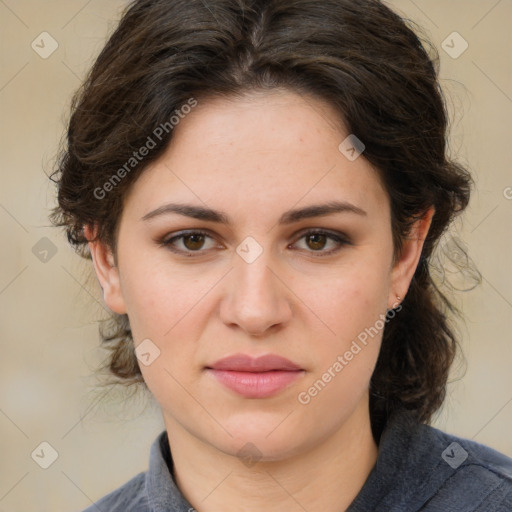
pixel 178 234
pixel 340 238
pixel 323 231
pixel 167 240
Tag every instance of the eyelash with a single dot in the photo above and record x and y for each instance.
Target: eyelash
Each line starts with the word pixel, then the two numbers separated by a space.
pixel 340 240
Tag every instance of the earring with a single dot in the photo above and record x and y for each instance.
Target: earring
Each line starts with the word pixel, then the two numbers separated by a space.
pixel 398 298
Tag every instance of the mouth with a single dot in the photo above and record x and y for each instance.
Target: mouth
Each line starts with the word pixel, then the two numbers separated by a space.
pixel 260 377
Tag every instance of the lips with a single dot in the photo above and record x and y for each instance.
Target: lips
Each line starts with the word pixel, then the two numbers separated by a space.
pixel 259 377
pixel 245 363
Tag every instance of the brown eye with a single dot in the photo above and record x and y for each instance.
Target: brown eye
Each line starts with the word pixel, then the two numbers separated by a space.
pixel 321 242
pixel 189 243
pixel 316 241
pixel 193 242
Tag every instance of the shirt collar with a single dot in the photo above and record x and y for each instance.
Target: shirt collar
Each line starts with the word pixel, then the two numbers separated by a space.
pixel 163 494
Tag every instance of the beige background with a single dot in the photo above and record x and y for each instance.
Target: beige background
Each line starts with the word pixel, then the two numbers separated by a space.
pixel 48 313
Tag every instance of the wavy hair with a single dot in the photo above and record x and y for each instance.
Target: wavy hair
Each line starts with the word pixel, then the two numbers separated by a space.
pixel 362 58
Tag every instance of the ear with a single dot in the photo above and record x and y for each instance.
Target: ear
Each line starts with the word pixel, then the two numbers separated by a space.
pixel 106 271
pixel 408 259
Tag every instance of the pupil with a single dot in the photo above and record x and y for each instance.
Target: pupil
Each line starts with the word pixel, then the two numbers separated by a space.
pixel 193 242
pixel 318 241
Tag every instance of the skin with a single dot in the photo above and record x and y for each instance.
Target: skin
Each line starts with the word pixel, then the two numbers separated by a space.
pixel 255 158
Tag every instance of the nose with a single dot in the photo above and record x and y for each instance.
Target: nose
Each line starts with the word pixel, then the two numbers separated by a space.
pixel 256 299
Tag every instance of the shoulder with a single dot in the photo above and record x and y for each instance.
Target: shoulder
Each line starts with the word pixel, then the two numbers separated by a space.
pixel 473 453
pixel 422 468
pixel 481 477
pixel 461 472
pixel 130 496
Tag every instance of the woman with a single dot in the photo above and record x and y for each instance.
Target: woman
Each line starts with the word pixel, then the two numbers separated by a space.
pixel 261 186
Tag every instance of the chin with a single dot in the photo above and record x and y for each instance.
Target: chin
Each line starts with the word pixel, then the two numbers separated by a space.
pixel 251 449
pixel 265 441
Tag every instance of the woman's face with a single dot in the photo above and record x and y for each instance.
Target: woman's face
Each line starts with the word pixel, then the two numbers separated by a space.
pixel 255 234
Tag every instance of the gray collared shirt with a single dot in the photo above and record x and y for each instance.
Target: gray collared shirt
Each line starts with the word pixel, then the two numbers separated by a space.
pixel 418 468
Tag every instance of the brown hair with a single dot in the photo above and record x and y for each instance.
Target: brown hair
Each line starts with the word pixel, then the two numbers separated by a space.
pixel 359 56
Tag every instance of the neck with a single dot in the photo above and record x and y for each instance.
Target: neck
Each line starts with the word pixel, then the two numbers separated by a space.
pixel 327 476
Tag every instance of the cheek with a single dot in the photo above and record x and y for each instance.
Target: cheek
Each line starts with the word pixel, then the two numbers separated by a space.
pixel 353 306
pixel 162 308
pixel 159 297
pixel 348 299
pixel 169 307
pixel 352 303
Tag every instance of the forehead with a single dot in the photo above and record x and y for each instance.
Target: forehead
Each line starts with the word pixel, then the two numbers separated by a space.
pixel 266 151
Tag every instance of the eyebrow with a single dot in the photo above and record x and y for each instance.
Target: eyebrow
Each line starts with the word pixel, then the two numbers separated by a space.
pixel 289 217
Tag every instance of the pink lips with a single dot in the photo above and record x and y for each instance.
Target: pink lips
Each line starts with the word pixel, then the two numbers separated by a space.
pixel 255 377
